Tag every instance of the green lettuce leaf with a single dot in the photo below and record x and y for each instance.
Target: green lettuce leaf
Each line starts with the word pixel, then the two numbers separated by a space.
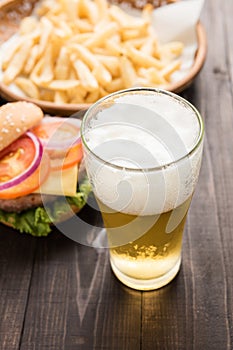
pixel 37 221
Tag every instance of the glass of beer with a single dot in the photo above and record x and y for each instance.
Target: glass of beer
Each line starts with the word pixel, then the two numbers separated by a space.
pixel 143 150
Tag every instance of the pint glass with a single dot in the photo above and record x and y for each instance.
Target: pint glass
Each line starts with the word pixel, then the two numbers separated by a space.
pixel 143 150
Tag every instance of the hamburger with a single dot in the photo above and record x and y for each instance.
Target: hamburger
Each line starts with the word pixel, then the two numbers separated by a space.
pixel 42 180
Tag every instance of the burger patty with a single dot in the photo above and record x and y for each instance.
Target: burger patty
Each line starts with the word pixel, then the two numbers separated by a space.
pixel 26 202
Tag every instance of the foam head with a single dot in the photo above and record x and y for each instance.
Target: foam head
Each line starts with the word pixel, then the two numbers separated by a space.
pixel 139 150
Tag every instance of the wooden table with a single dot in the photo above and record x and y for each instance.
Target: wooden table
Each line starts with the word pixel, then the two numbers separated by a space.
pixel 59 295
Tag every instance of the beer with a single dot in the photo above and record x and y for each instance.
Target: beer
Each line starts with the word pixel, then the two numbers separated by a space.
pixel 143 152
pixel 145 260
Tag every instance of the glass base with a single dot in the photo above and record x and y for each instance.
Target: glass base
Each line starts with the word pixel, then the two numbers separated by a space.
pixel 148 284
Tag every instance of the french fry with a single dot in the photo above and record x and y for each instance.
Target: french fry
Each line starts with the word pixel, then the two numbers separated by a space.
pixel 156 77
pixel 84 54
pixel 61 28
pixel 142 59
pixel 169 69
pixel 101 25
pixel 77 98
pixel 35 73
pixel 80 38
pixel 114 48
pixel 28 87
pixel 10 51
pixel 99 37
pixel 101 51
pixel 148 46
pixel 147 12
pixel 102 92
pixel 116 84
pixel 77 95
pixel 152 75
pixel 27 25
pixel 176 47
pixel 135 42
pixel 92 96
pixel 130 34
pixel 83 26
pixel 62 85
pixel 48 7
pixel 102 8
pixel 62 66
pixel 88 9
pixel 31 61
pixel 60 97
pixel 47 95
pixel 126 21
pixel 17 62
pixel 128 72
pixel 46 30
pixel 47 70
pixel 70 8
pixel 86 78
pixel 112 63
pixel 102 75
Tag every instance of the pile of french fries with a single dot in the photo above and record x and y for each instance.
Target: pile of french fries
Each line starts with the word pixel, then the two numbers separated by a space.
pixel 77 51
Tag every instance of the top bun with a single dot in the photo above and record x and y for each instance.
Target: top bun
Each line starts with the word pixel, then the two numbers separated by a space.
pixel 15 119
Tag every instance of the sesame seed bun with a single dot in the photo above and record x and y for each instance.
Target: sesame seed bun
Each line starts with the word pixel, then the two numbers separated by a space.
pixel 15 119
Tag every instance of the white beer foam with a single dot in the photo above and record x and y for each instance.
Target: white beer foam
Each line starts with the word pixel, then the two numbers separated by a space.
pixel 143 130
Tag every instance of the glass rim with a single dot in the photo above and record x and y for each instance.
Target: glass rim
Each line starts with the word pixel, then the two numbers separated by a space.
pixel 158 91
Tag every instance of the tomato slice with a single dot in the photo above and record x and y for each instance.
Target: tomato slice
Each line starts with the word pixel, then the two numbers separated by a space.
pixel 15 158
pixel 32 183
pixel 74 156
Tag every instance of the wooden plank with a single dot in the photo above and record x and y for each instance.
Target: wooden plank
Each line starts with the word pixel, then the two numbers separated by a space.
pixel 220 131
pixel 16 264
pixel 228 27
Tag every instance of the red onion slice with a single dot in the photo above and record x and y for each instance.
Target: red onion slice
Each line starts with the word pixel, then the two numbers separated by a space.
pixel 74 126
pixel 33 166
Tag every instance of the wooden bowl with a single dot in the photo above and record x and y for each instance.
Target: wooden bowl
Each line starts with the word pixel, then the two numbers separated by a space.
pixel 11 13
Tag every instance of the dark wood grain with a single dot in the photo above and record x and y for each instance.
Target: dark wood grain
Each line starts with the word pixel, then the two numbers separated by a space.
pixel 16 266
pixel 56 294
